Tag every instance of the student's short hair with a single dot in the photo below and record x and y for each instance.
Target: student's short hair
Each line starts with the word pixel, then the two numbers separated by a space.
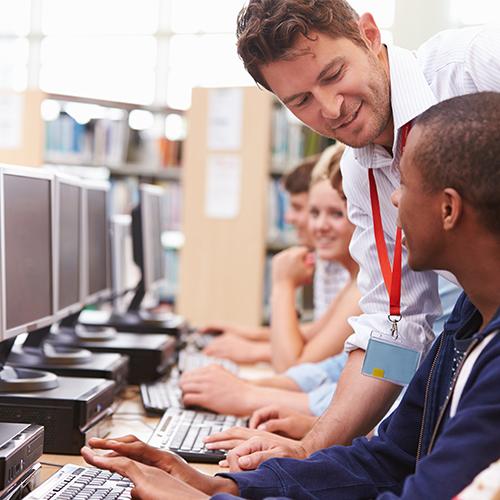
pixel 267 30
pixel 459 148
pixel 328 167
pixel 297 180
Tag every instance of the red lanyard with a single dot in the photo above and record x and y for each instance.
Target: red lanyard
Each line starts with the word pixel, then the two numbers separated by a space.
pixel 392 278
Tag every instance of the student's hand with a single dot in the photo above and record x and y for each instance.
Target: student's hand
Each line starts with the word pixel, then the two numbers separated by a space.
pixel 293 266
pixel 250 454
pixel 215 388
pixel 236 330
pixel 282 420
pixel 151 483
pixel 230 438
pixel 132 447
pixel 235 348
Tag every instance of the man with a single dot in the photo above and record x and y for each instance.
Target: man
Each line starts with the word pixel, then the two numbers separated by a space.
pixel 445 430
pixel 329 67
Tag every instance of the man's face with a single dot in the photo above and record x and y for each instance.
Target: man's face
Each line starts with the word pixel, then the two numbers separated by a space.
pixel 335 87
pixel 418 212
pixel 297 215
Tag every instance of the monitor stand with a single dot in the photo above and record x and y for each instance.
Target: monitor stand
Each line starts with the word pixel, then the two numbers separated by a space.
pixel 87 332
pixel 69 361
pixel 22 379
pixel 135 319
pixel 36 348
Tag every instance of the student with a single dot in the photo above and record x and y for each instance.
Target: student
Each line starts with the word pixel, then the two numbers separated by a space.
pixel 329 67
pixel 307 387
pixel 446 429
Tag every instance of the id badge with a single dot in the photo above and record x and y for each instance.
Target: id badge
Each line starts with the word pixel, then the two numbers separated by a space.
pixel 390 359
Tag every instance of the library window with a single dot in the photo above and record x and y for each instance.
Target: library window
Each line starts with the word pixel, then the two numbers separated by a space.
pixel 202 60
pixel 200 16
pixel 118 68
pixel 477 12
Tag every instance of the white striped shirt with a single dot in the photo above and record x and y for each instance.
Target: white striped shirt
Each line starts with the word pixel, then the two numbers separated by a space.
pixel 452 63
pixel 330 277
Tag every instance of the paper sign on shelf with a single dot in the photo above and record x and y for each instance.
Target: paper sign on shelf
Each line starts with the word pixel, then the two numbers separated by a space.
pixel 223 186
pixel 225 115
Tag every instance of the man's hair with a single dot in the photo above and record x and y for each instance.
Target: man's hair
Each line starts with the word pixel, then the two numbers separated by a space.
pixel 267 30
pixel 459 148
pixel 297 180
pixel 328 167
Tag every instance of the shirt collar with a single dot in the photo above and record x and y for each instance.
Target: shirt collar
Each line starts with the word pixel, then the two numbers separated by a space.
pixel 411 95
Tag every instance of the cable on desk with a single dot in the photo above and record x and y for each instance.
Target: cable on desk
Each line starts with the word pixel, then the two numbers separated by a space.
pixel 51 464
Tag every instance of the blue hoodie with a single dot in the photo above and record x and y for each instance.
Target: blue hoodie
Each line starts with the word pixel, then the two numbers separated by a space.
pixel 421 452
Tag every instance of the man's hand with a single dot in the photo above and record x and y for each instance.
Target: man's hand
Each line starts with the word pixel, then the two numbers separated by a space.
pixel 230 438
pixel 215 388
pixel 250 454
pixel 236 349
pixel 153 472
pixel 282 420
pixel 293 266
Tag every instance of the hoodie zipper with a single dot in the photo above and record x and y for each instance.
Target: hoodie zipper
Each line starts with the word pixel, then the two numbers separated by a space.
pixel 427 387
pixel 472 346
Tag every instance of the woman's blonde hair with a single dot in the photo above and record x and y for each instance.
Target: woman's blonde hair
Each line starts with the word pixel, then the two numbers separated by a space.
pixel 328 167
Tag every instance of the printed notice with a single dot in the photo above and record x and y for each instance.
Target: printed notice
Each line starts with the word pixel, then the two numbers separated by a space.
pixel 11 121
pixel 225 115
pixel 223 186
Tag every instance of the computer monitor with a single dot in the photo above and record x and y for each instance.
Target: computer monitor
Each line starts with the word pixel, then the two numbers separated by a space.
pixel 27 261
pixel 69 290
pixel 27 250
pixel 147 225
pixel 124 276
pixel 153 262
pixel 97 269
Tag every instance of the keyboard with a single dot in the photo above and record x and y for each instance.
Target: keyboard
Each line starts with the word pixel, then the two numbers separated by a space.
pixel 158 396
pixel 166 393
pixel 77 482
pixel 182 431
pixel 191 360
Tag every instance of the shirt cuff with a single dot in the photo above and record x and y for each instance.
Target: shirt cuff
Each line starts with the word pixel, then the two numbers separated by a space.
pixel 260 483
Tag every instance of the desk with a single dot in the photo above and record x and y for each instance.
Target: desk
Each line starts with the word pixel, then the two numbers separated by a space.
pixel 129 417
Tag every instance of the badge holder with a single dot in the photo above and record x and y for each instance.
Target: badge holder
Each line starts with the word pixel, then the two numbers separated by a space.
pixel 388 358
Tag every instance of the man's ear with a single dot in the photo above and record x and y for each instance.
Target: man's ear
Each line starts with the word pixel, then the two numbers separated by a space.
pixel 370 32
pixel 451 209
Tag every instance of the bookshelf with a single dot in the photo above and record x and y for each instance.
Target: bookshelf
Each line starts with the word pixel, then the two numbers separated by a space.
pixel 124 137
pixel 129 142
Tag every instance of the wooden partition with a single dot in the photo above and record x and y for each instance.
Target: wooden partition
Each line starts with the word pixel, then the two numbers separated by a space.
pixel 222 261
pixel 23 119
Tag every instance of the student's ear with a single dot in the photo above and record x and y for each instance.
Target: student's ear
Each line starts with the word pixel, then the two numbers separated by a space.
pixel 451 208
pixel 370 32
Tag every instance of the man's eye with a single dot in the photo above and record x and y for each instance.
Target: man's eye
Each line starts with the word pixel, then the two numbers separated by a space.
pixel 334 76
pixel 303 101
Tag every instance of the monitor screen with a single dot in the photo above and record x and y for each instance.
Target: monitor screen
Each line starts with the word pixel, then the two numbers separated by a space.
pixel 155 236
pixel 69 244
pixel 28 249
pixel 97 237
pixel 152 225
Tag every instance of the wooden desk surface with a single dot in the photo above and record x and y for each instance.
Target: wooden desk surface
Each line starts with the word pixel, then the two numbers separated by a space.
pixel 130 418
